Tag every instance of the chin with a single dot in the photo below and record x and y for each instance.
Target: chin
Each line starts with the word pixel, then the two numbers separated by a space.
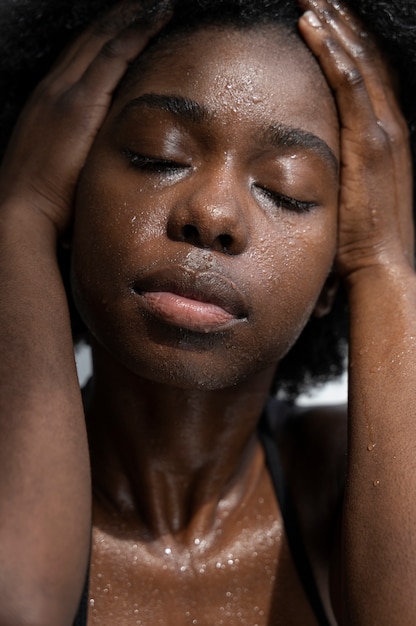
pixel 195 363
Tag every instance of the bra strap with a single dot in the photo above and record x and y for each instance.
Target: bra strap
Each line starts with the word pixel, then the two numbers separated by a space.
pixel 294 537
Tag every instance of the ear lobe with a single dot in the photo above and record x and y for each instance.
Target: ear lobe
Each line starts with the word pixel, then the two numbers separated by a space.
pixel 327 296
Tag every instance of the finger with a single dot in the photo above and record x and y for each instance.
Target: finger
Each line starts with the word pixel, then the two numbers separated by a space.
pixel 88 75
pixel 350 32
pixel 368 109
pixel 111 36
pixel 342 73
pixel 61 119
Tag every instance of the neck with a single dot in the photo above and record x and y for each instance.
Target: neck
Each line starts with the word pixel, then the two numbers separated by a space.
pixel 176 459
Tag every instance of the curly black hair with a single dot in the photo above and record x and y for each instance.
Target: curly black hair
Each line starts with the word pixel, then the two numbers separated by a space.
pixel 33 32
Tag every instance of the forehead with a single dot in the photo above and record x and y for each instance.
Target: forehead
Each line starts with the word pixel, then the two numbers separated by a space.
pixel 264 75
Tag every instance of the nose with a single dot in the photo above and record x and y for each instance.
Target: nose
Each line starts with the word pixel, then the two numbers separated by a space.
pixel 210 216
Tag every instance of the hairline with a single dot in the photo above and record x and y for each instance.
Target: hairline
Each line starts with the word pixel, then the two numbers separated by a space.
pixel 162 46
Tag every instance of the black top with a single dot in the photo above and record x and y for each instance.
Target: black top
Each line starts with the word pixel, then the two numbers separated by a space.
pixel 293 534
pixel 82 615
pixel 292 530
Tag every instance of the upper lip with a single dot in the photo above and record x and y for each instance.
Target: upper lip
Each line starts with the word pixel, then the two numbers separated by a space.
pixel 204 286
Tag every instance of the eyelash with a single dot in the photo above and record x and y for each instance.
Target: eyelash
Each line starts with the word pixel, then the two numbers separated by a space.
pixel 288 203
pixel 152 164
pixel 159 166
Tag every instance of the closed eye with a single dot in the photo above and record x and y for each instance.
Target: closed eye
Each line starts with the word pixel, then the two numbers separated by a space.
pixel 154 164
pixel 286 202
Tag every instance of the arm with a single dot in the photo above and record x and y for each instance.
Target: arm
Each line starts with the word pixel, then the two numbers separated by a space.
pixel 45 490
pixel 375 261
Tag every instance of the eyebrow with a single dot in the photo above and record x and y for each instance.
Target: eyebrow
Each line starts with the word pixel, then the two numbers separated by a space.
pixel 277 135
pixel 182 107
pixel 281 135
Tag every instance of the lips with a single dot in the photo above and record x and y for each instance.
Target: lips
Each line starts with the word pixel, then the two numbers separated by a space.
pixel 200 301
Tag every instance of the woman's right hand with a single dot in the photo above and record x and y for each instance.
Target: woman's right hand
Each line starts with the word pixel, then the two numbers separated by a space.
pixel 55 131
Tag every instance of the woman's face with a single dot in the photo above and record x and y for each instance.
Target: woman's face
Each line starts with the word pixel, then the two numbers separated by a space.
pixel 206 213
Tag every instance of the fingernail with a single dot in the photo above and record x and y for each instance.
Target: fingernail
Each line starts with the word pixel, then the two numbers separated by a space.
pixel 336 4
pixel 313 19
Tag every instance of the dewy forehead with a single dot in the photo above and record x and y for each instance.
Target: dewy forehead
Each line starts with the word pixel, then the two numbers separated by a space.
pixel 277 134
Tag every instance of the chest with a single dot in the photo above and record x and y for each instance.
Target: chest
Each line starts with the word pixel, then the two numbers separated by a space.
pixel 250 579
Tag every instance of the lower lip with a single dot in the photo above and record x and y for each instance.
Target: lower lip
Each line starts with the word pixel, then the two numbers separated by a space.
pixel 202 317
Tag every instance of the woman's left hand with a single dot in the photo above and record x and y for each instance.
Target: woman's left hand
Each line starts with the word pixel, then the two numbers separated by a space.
pixel 374 567
pixel 375 209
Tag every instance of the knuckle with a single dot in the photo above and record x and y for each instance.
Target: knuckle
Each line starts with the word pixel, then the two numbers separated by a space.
pixel 360 51
pixel 395 133
pixel 352 77
pixel 69 103
pixel 379 142
pixel 349 74
pixel 112 49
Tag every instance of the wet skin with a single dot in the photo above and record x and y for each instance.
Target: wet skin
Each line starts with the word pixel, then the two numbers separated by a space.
pixel 205 230
pixel 208 225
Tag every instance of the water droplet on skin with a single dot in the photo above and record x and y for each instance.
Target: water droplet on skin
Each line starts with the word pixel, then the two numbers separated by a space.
pixel 168 551
pixel 92 602
pixel 371 447
pixel 197 541
pixel 376 483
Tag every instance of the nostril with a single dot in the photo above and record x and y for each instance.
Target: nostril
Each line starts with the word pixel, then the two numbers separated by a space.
pixel 225 242
pixel 190 232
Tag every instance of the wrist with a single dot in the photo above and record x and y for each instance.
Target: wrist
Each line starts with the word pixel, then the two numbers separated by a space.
pixel 21 218
pixel 382 286
pixel 391 266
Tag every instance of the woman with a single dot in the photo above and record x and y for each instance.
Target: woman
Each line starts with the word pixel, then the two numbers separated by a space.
pixel 213 197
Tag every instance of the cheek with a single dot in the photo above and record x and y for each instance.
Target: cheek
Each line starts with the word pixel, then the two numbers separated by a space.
pixel 119 229
pixel 113 221
pixel 293 263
